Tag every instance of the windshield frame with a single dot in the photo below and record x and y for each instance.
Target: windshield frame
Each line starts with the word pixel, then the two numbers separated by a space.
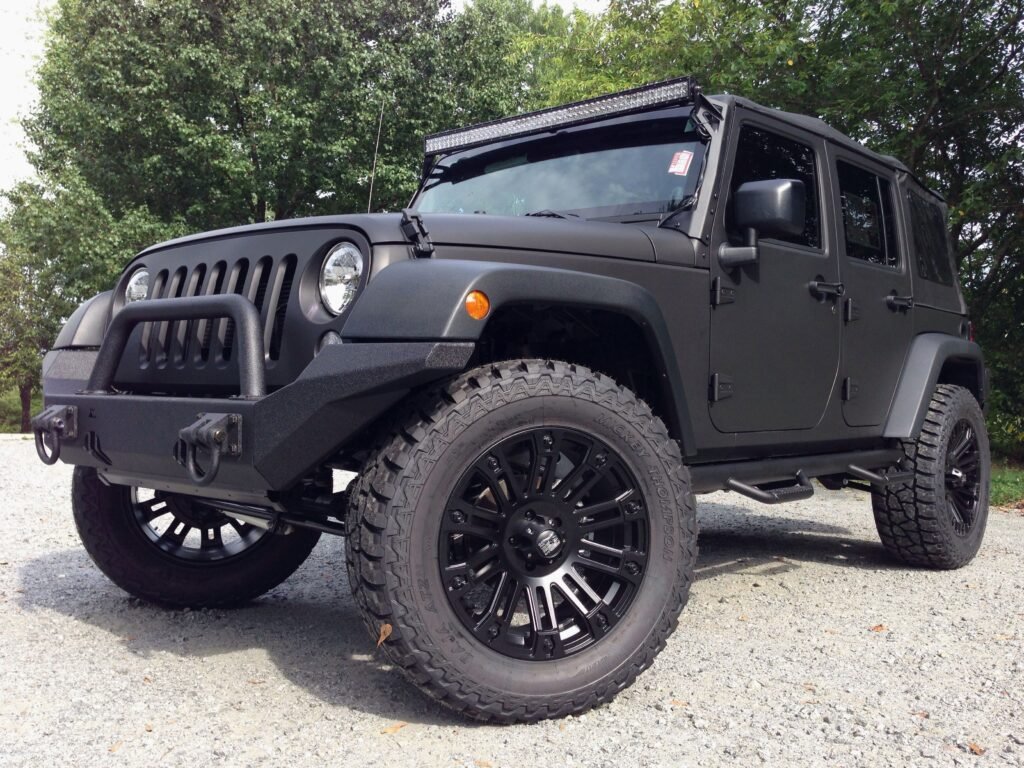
pixel 683 112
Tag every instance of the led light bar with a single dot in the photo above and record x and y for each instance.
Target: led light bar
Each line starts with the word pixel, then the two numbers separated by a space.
pixel 682 90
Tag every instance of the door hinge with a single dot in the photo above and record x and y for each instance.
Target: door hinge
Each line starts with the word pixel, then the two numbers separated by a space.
pixel 720 295
pixel 850 389
pixel 851 311
pixel 721 387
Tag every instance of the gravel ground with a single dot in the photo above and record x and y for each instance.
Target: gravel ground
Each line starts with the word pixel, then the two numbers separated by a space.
pixel 802 645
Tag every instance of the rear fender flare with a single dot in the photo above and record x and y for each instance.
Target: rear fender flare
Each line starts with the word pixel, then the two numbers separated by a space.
pixel 929 354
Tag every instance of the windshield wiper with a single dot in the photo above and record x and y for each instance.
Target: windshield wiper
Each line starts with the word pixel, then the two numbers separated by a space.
pixel 548 213
pixel 684 205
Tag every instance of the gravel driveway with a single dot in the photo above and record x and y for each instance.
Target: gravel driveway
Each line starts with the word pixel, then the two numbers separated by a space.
pixel 802 645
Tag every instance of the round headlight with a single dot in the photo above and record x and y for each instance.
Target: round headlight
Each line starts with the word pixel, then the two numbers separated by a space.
pixel 138 286
pixel 339 277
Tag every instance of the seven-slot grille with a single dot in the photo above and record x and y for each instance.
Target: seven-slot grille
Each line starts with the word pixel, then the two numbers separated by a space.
pixel 265 281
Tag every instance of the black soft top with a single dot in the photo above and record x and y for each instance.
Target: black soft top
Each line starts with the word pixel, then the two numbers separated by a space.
pixel 820 128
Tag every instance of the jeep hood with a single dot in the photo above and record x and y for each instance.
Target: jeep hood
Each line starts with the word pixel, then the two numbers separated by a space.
pixel 519 233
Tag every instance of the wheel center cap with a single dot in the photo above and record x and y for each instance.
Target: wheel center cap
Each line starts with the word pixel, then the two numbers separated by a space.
pixel 548 542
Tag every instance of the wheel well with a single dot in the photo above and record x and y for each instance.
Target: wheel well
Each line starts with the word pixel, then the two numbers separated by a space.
pixel 963 373
pixel 603 341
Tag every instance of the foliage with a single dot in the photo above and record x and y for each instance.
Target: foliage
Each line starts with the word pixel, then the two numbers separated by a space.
pixel 10 409
pixel 1007 485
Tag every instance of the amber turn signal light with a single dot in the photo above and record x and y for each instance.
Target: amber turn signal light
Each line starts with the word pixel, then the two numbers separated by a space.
pixel 477 305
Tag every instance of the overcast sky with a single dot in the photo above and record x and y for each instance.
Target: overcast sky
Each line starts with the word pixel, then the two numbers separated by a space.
pixel 21 45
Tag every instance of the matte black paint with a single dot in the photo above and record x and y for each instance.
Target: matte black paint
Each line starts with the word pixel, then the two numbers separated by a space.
pixel 786 349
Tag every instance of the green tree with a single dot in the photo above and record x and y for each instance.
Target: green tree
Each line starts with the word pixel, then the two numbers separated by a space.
pixel 58 244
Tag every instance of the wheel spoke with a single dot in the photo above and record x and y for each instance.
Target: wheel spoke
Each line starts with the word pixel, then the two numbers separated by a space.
pixel 176 532
pixel 954 507
pixel 471 510
pixel 534 609
pixel 514 490
pixel 582 585
pixel 620 571
pixel 151 509
pixel 468 529
pixel 211 538
pixel 549 606
pixel 497 600
pixel 965 438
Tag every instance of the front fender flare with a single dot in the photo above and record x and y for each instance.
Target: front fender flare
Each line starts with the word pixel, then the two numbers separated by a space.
pixel 424 300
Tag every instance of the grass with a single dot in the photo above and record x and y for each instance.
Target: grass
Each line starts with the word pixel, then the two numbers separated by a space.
pixel 10 409
pixel 1007 485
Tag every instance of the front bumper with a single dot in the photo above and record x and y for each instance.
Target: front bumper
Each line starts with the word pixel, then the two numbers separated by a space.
pixel 281 437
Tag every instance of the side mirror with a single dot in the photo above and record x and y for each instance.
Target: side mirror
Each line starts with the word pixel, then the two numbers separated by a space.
pixel 764 208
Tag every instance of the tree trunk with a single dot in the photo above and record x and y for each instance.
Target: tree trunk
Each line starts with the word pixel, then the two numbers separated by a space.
pixel 26 407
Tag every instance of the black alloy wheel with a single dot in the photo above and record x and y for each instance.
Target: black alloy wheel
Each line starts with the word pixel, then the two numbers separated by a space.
pixel 191 528
pixel 963 476
pixel 544 544
pixel 180 550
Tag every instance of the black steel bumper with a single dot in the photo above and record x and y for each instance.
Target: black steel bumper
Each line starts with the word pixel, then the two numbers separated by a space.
pixel 238 448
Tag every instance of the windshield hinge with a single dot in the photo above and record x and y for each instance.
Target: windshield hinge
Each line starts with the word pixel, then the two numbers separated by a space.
pixel 705 115
pixel 416 233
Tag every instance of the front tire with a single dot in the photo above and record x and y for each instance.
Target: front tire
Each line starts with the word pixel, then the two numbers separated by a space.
pixel 176 551
pixel 528 533
pixel 938 520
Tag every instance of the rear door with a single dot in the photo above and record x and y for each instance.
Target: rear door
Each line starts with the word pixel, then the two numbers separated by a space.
pixel 774 342
pixel 877 306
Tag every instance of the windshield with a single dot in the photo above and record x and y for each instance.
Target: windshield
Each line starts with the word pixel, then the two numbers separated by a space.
pixel 622 168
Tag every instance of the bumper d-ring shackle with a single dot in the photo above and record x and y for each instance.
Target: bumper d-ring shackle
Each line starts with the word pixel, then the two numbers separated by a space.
pixel 54 424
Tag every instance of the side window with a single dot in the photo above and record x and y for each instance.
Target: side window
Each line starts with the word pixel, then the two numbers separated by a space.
pixel 761 154
pixel 869 225
pixel 932 249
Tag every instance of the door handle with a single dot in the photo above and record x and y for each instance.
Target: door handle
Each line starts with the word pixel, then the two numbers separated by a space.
pixel 821 289
pixel 897 303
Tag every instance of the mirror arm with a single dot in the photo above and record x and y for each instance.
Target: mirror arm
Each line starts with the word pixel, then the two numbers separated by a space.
pixel 733 256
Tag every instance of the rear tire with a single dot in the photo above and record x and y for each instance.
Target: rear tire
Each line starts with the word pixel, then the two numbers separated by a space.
pixel 444 548
pixel 939 519
pixel 218 568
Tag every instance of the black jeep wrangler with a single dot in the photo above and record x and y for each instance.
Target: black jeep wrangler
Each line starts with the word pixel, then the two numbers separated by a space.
pixel 587 315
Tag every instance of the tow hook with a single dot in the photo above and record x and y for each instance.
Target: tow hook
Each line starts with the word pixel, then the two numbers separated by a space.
pixel 51 426
pixel 220 434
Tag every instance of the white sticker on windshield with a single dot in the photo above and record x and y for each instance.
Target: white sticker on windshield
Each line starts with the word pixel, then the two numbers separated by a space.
pixel 680 164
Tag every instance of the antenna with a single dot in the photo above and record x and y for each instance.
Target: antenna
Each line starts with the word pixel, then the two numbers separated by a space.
pixel 376 149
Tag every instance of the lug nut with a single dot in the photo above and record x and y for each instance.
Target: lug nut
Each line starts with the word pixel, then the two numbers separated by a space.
pixel 458 516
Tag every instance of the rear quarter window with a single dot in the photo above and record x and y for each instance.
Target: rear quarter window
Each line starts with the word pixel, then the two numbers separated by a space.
pixel 933 253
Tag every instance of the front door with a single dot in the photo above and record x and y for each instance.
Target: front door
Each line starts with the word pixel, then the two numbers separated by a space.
pixel 774 339
pixel 877 305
